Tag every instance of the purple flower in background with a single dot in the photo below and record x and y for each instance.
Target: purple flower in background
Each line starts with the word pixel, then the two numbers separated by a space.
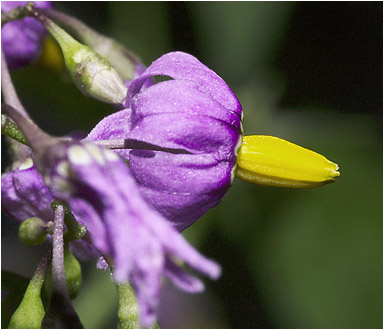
pixel 103 196
pixel 21 39
pixel 196 120
pixel 25 195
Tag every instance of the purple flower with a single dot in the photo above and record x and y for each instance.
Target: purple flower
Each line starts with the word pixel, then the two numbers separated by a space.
pixel 21 40
pixel 103 196
pixel 24 194
pixel 196 120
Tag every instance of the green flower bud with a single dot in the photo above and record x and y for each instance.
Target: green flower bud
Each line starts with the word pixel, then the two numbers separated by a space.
pixel 72 273
pixel 30 313
pixel 33 231
pixel 91 72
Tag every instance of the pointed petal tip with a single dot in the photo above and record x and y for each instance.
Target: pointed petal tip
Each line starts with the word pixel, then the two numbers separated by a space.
pixel 214 271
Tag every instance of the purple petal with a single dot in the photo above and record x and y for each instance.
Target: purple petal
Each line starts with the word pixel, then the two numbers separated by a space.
pixel 182 66
pixel 104 196
pixel 182 279
pixel 188 174
pixel 180 96
pixel 21 40
pixel 83 250
pixel 181 210
pixel 24 194
pixel 198 134
pixel 115 126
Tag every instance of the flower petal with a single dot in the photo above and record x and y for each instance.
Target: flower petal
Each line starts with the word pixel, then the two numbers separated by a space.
pixel 182 279
pixel 21 39
pixel 115 126
pixel 183 66
pixel 25 195
pixel 181 210
pixel 197 134
pixel 180 96
pixel 104 196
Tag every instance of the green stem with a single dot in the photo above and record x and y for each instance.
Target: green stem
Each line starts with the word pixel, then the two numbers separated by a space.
pixel 16 13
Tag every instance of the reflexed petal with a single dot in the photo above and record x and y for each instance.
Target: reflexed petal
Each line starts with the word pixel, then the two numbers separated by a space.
pixel 104 197
pixel 183 66
pixel 25 195
pixel 182 279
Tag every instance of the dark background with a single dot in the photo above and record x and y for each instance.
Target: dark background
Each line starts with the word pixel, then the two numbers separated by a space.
pixel 310 73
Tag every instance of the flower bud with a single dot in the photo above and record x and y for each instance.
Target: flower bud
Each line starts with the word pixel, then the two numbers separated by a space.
pixel 33 231
pixel 31 311
pixel 91 72
pixel 272 161
pixel 127 64
pixel 72 273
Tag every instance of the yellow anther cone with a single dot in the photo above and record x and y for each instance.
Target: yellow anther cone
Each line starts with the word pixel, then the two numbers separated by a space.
pixel 271 161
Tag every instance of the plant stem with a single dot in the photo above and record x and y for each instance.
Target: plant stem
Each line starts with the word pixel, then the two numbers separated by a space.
pixel 34 135
pixel 8 89
pixel 60 312
pixel 16 13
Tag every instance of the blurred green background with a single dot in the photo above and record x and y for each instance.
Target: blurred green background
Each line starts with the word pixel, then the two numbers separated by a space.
pixel 310 73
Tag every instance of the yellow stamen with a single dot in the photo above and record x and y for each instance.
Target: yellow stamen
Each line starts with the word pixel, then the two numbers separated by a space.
pixel 272 161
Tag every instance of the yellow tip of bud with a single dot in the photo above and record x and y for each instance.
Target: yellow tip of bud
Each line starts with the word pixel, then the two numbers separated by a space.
pixel 271 161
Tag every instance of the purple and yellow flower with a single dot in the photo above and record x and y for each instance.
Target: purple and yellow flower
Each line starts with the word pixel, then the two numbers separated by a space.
pixel 21 40
pixel 192 128
pixel 181 139
pixel 193 123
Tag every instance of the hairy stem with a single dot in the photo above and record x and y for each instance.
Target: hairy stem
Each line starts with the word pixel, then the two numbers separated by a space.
pixel 60 312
